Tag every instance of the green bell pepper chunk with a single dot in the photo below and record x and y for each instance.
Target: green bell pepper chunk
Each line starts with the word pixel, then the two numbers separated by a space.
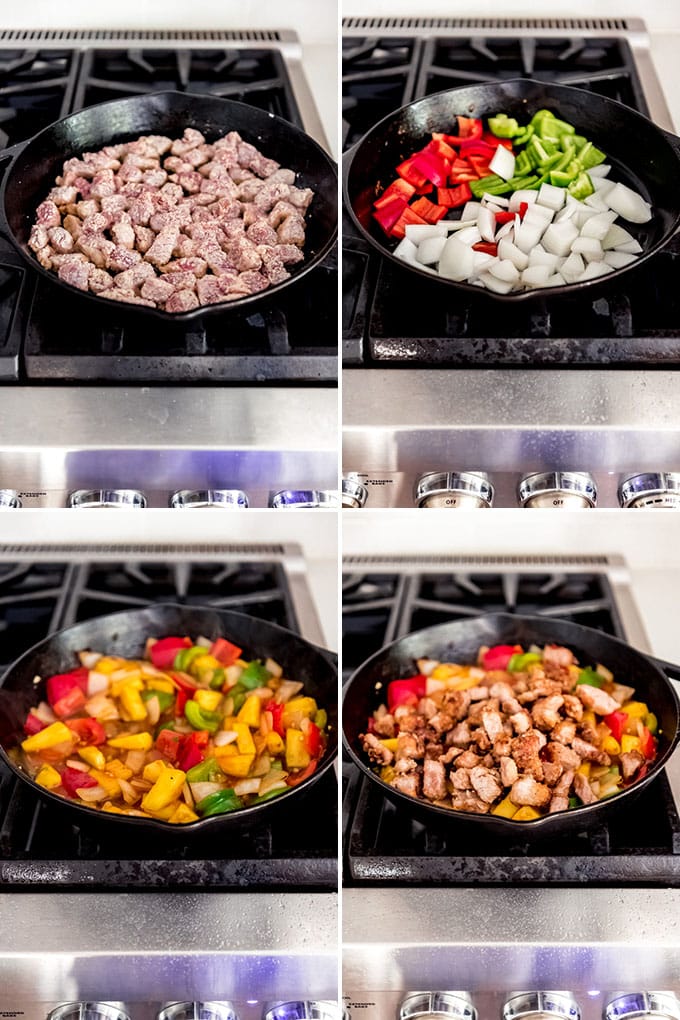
pixel 519 183
pixel 568 154
pixel 218 803
pixel 186 656
pixel 321 718
pixel 492 185
pixel 590 677
pixel 254 675
pixel 578 141
pixel 574 802
pixel 503 126
pixel 519 662
pixel 540 150
pixel 652 723
pixel 523 137
pixel 588 155
pixel 237 693
pixel 269 794
pixel 207 771
pixel 523 164
pixel 165 698
pixel 581 187
pixel 217 679
pixel 201 718
pixel 561 178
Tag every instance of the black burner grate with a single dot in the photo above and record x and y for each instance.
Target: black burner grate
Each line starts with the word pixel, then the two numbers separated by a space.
pixel 393 318
pixel 48 337
pixel 41 844
pixel 384 844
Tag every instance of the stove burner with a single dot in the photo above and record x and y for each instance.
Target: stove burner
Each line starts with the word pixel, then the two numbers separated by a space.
pixel 99 499
pixel 36 88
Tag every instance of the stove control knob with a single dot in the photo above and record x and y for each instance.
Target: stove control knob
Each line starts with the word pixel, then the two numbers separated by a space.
pixel 558 490
pixel 456 490
pixel 318 1009
pixel 9 499
pixel 542 1006
pixel 198 1011
pixel 436 1006
pixel 303 499
pixel 640 1005
pixel 98 499
pixel 89 1011
pixel 354 494
pixel 651 490
pixel 209 499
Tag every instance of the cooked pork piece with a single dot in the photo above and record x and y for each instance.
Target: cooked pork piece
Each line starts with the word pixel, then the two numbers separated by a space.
pixel 374 749
pixel 148 197
pixel 589 752
pixel 434 780
pixel 630 763
pixel 509 773
pixel 596 699
pixel 560 798
pixel 583 789
pixel 546 712
pixel 526 791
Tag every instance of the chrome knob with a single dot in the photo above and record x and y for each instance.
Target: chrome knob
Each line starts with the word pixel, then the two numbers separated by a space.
pixel 457 490
pixel 354 494
pixel 558 490
pixel 651 490
pixel 303 499
pixel 202 499
pixel 97 499
pixel 9 499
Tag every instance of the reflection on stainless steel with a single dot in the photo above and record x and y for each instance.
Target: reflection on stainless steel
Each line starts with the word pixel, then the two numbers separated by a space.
pixel 303 1010
pixel 200 499
pixel 303 499
pixel 457 490
pixel 651 490
pixel 354 494
pixel 96 499
pixel 567 490
pixel 643 1004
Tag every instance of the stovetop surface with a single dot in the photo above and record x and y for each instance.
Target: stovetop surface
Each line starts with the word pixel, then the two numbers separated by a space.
pixel 41 844
pixel 384 845
pixel 392 318
pixel 47 337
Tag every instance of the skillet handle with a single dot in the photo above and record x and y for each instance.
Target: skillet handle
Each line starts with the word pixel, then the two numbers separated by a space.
pixel 670 669
pixel 13 150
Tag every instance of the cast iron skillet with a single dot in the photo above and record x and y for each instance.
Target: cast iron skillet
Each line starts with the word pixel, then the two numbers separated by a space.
pixel 125 634
pixel 642 156
pixel 36 163
pixel 459 641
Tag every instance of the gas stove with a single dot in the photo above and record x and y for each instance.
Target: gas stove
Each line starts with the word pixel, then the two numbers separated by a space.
pixel 401 595
pixel 493 916
pixel 419 373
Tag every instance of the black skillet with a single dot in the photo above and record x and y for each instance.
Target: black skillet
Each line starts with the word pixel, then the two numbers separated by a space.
pixel 459 641
pixel 125 634
pixel 642 156
pixel 37 162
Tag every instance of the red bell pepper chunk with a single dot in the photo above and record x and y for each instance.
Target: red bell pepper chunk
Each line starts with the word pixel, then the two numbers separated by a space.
pixel 504 217
pixel 470 127
pixel 405 692
pixel 617 722
pixel 523 207
pixel 499 656
pixel 163 652
pixel 453 197
pixel 88 731
pixel 428 210
pixel 453 140
pixel 277 723
pixel 313 740
pixel 73 780
pixel 293 780
pixel 480 165
pixel 180 702
pixel 441 148
pixel 192 749
pixel 432 167
pixel 397 187
pixel 477 147
pixel 225 652
pixel 390 211
pixel 33 724
pixel 408 216
pixel 70 703
pixel 61 683
pixel 411 174
pixel 169 744
pixel 647 744
pixel 185 683
pixel 489 248
pixel 491 139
